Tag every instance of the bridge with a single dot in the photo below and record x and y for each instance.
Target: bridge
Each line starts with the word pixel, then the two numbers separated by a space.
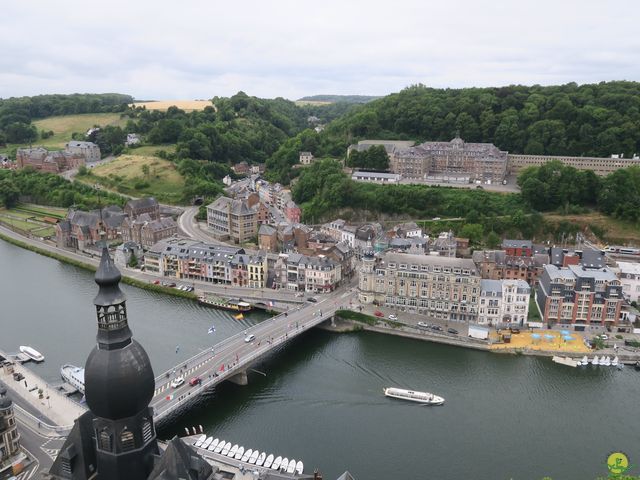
pixel 231 358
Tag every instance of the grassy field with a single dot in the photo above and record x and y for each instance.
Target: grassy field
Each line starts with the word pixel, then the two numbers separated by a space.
pixel 152 149
pixel 186 105
pixel 24 219
pixel 64 125
pixel 125 175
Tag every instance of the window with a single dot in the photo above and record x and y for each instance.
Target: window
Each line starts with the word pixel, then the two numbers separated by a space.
pixel 127 440
pixel 104 440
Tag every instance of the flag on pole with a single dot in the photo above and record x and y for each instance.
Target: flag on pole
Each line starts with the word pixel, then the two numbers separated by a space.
pixel 212 329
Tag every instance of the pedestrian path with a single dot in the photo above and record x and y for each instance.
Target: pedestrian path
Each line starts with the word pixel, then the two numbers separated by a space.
pixel 51 403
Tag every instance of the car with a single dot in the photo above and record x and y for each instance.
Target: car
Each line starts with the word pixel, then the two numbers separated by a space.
pixel 171 285
pixel 299 294
pixel 249 338
pixel 604 336
pixel 453 331
pixel 157 282
pixel 393 317
pixel 514 330
pixel 17 376
pixel 437 328
pixel 312 299
pixel 177 382
pixel 423 325
pixel 195 381
pixel 378 313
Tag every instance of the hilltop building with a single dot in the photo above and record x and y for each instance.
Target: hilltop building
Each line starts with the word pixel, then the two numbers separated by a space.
pixel 148 205
pixel 89 150
pixel 41 159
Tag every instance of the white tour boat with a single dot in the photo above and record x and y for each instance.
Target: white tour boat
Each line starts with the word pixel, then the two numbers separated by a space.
pixel 420 397
pixel 32 353
pixel 74 376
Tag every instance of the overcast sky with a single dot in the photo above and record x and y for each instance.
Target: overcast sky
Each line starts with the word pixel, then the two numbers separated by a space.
pixel 192 49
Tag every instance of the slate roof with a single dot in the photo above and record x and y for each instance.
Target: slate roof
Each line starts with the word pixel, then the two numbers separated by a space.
pixel 179 460
pixel 146 202
pixel 266 230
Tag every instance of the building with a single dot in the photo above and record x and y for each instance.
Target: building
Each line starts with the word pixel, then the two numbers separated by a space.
pixel 629 275
pixel 148 205
pixel 10 452
pixel 147 232
pixel 376 177
pixel 268 238
pixel 89 150
pixel 497 265
pixel 412 245
pixel 42 160
pixel 440 287
pixel 600 166
pixel 292 212
pixel 588 258
pixel 126 252
pixel 454 161
pixel 579 296
pixel 518 248
pixel 389 145
pixel 233 220
pixel 83 229
pixel 304 273
pixel 445 245
pixel 116 437
pixel 306 158
pixel 241 168
pixel 504 302
pixel 407 230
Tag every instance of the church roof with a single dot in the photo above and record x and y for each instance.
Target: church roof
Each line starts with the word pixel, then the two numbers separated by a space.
pixel 179 460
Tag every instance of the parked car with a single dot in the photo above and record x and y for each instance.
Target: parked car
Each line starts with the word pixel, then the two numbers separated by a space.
pixel 437 328
pixel 423 325
pixel 604 336
pixel 172 284
pixel 177 382
pixel 452 330
pixel 17 376
pixel 195 381
pixel 393 317
pixel 157 282
pixel 312 299
pixel 378 313
pixel 250 338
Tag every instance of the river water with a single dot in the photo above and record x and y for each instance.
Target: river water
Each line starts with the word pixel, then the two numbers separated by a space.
pixel 321 399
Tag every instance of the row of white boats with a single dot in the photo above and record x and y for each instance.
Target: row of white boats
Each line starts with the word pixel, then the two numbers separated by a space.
pixel 604 361
pixel 250 456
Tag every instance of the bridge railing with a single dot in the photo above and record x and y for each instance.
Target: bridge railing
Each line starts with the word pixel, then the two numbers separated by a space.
pixel 160 412
pixel 37 424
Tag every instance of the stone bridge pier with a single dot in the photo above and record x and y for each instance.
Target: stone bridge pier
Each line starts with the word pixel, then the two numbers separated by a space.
pixel 240 378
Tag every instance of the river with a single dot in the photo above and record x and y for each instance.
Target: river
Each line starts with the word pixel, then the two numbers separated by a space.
pixel 321 399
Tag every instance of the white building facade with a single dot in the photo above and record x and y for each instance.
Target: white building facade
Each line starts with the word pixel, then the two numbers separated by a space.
pixel 504 302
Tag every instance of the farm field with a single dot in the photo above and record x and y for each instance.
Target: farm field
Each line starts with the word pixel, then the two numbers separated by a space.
pixel 187 105
pixel 126 175
pixel 63 126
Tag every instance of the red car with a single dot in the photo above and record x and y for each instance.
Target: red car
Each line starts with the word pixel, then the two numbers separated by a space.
pixel 195 381
pixel 378 313
pixel 157 282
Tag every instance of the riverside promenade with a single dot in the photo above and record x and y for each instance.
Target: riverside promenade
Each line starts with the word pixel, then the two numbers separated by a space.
pixel 55 407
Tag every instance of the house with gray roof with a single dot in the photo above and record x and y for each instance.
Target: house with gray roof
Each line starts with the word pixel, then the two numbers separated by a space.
pixel 137 207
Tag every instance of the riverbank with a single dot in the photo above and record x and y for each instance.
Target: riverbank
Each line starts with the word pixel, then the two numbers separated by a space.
pixel 91 264
pixel 357 321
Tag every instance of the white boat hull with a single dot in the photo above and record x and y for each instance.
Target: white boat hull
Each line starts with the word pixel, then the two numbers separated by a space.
pixel 424 398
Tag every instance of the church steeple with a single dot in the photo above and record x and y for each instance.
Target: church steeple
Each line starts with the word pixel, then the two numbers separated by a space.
pixel 119 384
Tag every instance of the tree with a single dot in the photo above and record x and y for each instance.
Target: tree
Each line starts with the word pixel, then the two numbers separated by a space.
pixel 493 240
pixel 9 193
pixel 145 169
pixel 19 132
pixel 472 231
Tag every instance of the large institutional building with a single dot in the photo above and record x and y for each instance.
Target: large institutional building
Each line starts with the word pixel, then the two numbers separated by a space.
pixel 460 162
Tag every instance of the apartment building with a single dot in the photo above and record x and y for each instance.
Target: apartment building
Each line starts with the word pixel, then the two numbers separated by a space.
pixel 600 166
pixel 629 275
pixel 440 287
pixel 304 273
pixel 504 302
pixel 233 220
pixel 579 296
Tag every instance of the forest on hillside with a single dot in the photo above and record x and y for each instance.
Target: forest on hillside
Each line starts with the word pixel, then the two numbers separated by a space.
pixel 583 120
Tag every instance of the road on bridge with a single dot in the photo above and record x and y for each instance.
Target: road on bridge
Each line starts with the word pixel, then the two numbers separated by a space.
pixel 236 354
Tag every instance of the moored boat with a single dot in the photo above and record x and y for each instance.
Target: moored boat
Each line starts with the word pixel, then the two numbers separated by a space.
pixel 239 454
pixel 247 454
pixel 207 442
pixel 233 305
pixel 584 361
pixel 276 463
pixel 213 445
pixel 74 376
pixel 615 362
pixel 200 441
pixel 425 398
pixel 292 466
pixel 254 456
pixel 220 446
pixel 269 461
pixel 32 353
pixel 225 449
pixel 232 452
pixel 261 459
pixel 299 467
pixel 595 361
pixel 606 362
pixel 284 465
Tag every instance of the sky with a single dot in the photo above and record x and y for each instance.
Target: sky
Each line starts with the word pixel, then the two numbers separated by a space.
pixel 193 49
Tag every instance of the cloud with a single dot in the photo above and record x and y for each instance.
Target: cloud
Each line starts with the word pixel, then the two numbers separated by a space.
pixel 199 49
